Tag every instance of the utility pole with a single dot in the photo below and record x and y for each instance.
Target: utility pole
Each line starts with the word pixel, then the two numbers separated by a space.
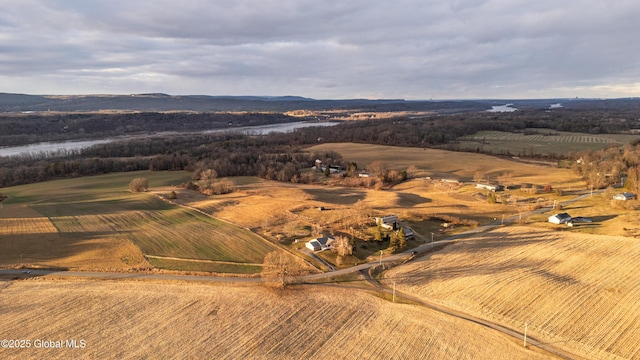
pixel 431 237
pixel 525 334
pixel 502 221
pixel 380 257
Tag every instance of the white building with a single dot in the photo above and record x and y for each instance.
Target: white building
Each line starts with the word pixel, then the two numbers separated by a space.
pixel 322 243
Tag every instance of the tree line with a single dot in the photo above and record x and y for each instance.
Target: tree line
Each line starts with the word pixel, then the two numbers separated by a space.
pixel 28 129
pixel 611 167
pixel 278 156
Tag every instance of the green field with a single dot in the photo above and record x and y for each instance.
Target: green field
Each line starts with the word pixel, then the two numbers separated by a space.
pixel 542 142
pixel 94 218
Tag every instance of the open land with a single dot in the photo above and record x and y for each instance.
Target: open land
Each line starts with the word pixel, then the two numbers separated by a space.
pixel 577 291
pixel 542 141
pixel 96 223
pixel 129 319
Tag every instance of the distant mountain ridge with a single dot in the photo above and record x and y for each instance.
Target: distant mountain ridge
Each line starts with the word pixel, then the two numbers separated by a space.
pixel 15 103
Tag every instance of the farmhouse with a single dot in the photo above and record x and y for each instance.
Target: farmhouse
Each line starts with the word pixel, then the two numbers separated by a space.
pixel 322 243
pixel 333 169
pixel 561 218
pixel 491 187
pixel 389 222
pixel 624 196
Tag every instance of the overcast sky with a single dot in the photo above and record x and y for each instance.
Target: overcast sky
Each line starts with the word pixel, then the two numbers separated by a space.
pixel 412 49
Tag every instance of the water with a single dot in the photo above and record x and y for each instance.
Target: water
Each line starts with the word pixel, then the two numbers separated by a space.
pixel 45 148
pixel 503 108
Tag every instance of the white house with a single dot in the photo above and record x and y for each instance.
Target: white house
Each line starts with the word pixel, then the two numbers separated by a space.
pixel 561 218
pixel 322 243
pixel 490 187
pixel 624 196
pixel 389 222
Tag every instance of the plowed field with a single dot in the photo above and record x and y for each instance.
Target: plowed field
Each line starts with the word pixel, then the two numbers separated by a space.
pixel 579 292
pixel 133 320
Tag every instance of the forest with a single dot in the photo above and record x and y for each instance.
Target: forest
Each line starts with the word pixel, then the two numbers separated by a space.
pixel 279 156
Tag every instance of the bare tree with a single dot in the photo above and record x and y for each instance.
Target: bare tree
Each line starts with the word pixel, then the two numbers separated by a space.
pixel 506 179
pixel 478 176
pixel 207 177
pixel 139 185
pixel 412 170
pixel 342 246
pixel 281 269
pixel 377 168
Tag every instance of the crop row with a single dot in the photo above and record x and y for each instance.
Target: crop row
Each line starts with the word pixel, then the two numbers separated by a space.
pixel 21 226
pixel 544 138
pixel 173 233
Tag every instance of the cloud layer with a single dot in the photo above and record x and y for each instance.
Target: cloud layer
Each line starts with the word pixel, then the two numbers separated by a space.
pixel 413 49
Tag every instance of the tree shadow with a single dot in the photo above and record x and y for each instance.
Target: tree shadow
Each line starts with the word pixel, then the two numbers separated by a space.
pixel 337 195
pixel 411 200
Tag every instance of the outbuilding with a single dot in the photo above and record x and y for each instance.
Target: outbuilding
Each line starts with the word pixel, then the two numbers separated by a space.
pixel 561 218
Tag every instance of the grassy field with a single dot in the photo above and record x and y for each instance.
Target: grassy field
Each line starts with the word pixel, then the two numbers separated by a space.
pixel 134 320
pixel 544 142
pixel 576 291
pixel 96 223
pixel 451 165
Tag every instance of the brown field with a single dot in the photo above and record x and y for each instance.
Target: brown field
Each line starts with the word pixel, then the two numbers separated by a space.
pixel 36 242
pixel 451 165
pixel 147 319
pixel 578 292
pixel 284 211
pixel 610 217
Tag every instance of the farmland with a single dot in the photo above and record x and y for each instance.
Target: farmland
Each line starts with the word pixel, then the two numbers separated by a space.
pixel 446 164
pixel 95 223
pixel 130 319
pixel 577 291
pixel 504 276
pixel 541 141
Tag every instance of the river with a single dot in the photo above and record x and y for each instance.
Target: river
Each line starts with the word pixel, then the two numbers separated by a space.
pixel 45 148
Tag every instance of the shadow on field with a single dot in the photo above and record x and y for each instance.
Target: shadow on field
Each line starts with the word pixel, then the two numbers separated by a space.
pixel 337 196
pixel 52 247
pixel 602 218
pixel 499 271
pixel 411 200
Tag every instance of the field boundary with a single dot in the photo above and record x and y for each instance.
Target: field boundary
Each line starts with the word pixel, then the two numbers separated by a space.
pixel 275 245
pixel 200 260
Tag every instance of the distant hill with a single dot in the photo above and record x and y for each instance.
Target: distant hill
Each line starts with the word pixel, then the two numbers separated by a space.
pixel 205 103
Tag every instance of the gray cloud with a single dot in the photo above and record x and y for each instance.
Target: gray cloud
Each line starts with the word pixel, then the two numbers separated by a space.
pixel 413 49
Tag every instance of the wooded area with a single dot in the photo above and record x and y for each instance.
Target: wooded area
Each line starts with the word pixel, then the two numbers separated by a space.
pixel 278 156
